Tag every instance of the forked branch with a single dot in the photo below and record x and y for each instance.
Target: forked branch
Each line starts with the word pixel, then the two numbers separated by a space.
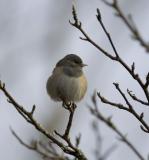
pixel 108 121
pixel 67 148
pixel 129 22
pixel 130 69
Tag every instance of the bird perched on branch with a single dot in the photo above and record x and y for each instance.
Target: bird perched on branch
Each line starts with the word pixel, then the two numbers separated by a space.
pixel 67 82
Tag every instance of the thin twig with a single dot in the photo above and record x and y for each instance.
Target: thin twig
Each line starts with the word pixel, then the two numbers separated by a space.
pixel 94 110
pixel 128 21
pixel 144 126
pixel 77 24
pixel 28 116
pixel 131 69
pixel 129 108
pixel 106 101
pixel 118 59
pixel 133 96
pixel 40 148
pixel 71 111
pixel 31 147
pixel 98 149
pixel 106 32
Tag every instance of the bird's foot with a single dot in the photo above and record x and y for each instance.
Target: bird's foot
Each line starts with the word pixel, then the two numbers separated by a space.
pixel 71 106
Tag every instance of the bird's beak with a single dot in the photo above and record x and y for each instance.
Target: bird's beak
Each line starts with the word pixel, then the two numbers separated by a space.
pixel 83 65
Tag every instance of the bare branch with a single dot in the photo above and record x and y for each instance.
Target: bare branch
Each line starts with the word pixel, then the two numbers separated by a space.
pixel 106 101
pixel 98 147
pixel 31 147
pixel 33 109
pixel 130 108
pixel 147 80
pixel 129 22
pixel 40 148
pixel 117 58
pixel 78 25
pixel 106 32
pixel 132 111
pixel 133 96
pixel 94 110
pixel 78 139
pixel 71 109
pixel 28 116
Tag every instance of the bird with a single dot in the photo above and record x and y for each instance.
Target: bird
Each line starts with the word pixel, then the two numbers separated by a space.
pixel 67 82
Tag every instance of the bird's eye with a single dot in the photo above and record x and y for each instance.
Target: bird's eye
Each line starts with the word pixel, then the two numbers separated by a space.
pixel 77 62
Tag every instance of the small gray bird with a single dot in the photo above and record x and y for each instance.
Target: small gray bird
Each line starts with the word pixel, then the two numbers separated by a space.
pixel 67 82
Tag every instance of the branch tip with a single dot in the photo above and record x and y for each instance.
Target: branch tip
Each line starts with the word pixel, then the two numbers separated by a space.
pixel 9 101
pixel 84 39
pixel 133 67
pixel 99 15
pixel 141 115
pixel 94 100
pixel 116 85
pixel 33 109
pixel 144 129
pixel 2 85
pixel 147 80
pixel 76 22
pixel 78 139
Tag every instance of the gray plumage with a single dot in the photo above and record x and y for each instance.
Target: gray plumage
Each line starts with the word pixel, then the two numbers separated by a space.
pixel 67 82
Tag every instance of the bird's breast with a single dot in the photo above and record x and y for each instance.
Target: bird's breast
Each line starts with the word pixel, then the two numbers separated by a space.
pixel 72 88
pixel 61 86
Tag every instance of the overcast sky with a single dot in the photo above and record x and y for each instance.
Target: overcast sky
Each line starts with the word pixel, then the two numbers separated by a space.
pixel 34 35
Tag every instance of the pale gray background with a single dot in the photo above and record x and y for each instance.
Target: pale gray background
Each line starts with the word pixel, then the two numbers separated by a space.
pixel 34 35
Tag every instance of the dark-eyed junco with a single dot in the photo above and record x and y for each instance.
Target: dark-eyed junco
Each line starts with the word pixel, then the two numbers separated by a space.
pixel 67 82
